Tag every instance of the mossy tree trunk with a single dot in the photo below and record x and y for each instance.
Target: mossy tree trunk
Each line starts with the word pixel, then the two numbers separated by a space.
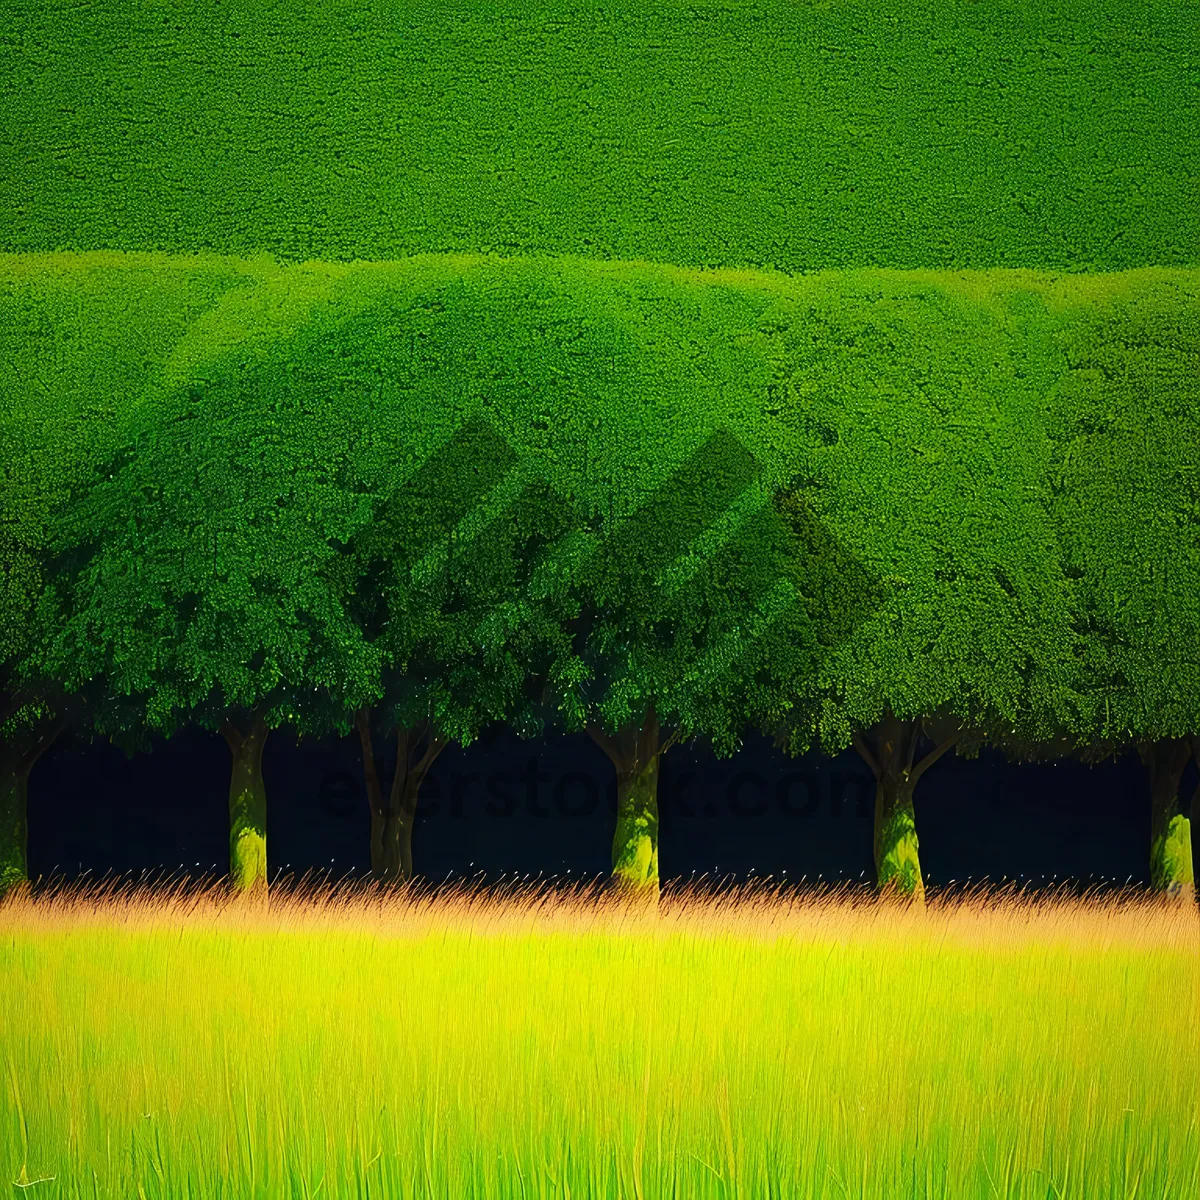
pixel 393 812
pixel 1171 871
pixel 889 748
pixel 635 751
pixel 247 804
pixel 17 759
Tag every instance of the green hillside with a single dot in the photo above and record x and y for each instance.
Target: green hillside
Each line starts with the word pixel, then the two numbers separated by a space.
pixel 793 136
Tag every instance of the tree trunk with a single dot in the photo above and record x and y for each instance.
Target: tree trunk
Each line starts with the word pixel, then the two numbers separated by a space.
pixel 15 764
pixel 897 858
pixel 396 828
pixel 14 830
pixel 247 806
pixel 1170 830
pixel 392 817
pixel 634 752
pixel 889 748
pixel 635 839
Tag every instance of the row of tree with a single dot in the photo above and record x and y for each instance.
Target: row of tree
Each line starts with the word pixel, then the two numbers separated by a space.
pixel 409 500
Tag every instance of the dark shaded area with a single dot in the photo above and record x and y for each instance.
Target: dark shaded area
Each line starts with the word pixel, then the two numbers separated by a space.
pixel 505 806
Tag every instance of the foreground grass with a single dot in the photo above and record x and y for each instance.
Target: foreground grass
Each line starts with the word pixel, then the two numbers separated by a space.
pixel 170 1044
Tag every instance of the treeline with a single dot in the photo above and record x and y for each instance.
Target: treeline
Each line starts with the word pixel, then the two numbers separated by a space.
pixel 908 511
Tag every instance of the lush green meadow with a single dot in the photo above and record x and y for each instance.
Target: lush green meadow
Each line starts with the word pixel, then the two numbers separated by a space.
pixel 765 1045
pixel 819 133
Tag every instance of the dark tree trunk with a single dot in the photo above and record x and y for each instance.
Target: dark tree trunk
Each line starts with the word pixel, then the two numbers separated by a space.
pixel 14 829
pixel 16 761
pixel 1171 870
pixel 889 748
pixel 392 816
pixel 247 805
pixel 635 752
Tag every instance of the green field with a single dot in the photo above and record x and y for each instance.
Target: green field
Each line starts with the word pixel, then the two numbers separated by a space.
pixel 795 135
pixel 176 1045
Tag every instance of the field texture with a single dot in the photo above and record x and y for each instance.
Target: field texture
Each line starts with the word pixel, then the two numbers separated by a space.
pixel 794 135
pixel 175 1046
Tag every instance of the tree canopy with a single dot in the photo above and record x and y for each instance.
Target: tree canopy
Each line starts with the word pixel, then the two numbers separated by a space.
pixel 457 490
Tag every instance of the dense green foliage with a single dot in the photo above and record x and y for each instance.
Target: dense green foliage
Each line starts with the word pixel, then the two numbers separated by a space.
pixel 1125 481
pixel 795 136
pixel 1125 501
pixel 462 489
pixel 78 340
pixel 462 643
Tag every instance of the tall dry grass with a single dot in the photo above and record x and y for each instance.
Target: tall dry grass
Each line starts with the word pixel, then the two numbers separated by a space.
pixel 544 1041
